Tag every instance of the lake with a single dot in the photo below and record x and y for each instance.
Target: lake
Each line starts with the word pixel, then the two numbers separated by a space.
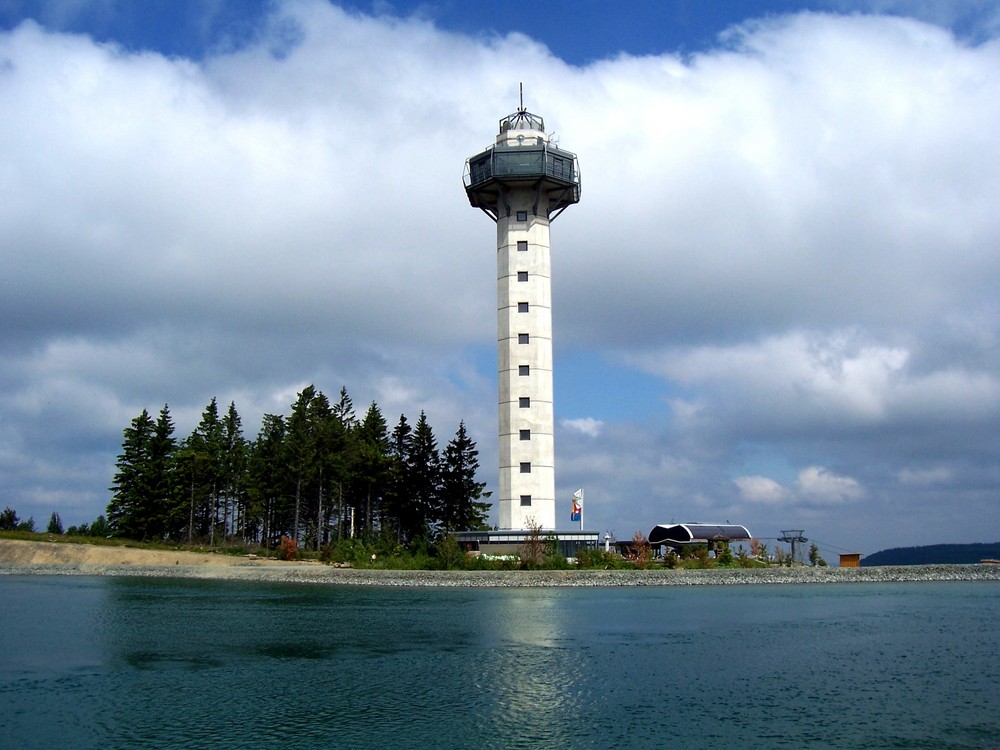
pixel 164 663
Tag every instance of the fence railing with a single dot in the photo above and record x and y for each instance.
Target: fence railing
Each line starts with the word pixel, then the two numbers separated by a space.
pixel 522 162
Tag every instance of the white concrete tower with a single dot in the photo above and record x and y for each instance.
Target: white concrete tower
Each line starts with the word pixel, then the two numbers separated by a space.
pixel 523 182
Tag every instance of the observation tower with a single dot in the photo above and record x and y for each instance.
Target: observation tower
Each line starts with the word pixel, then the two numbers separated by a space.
pixel 523 182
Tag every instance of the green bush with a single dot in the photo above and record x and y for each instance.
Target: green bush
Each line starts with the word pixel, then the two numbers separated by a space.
pixel 449 552
pixel 481 562
pixel 555 561
pixel 724 556
pixel 598 559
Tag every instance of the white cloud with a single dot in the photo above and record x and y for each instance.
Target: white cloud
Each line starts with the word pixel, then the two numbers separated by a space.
pixel 808 380
pixel 818 484
pixel 758 489
pixel 585 426
pixel 814 485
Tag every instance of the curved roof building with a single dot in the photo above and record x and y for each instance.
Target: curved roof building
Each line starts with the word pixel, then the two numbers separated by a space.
pixel 681 534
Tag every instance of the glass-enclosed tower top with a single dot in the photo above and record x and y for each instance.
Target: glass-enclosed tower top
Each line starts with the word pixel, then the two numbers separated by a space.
pixel 522 157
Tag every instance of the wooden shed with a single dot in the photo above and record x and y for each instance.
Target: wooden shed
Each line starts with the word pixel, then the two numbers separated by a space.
pixel 850 559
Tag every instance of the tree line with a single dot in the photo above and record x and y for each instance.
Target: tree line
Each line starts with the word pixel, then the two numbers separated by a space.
pixel 317 476
pixel 9 521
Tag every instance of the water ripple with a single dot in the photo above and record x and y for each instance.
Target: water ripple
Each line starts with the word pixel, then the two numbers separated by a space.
pixel 171 664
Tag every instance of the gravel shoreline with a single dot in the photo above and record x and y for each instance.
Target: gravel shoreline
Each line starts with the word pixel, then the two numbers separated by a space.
pixel 322 574
pixel 18 557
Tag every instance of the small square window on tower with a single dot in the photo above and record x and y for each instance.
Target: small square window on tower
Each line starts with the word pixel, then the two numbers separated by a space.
pixel 524 402
pixel 522 246
pixel 522 307
pixel 522 338
pixel 523 370
pixel 525 501
pixel 525 434
pixel 522 215
pixel 526 467
pixel 522 275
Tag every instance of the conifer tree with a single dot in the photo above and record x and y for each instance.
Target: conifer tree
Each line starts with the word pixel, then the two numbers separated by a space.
pixel 372 465
pixel 267 481
pixel 344 410
pixel 144 498
pixel 461 508
pixel 398 495
pixel 300 451
pixel 423 471
pixel 204 454
pixel 8 519
pixel 233 462
pixel 327 435
pixel 160 507
pixel 131 483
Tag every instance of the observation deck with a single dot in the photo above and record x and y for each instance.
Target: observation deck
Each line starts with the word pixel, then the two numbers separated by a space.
pixel 522 159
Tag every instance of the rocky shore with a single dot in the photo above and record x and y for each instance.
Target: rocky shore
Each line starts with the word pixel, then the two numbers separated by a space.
pixel 40 558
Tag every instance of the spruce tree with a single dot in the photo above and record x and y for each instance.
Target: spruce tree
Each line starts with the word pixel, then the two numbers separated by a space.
pixel 233 465
pixel 131 485
pixel 159 509
pixel 328 437
pixel 204 455
pixel 372 465
pixel 267 481
pixel 423 510
pixel 300 452
pixel 398 494
pixel 8 519
pixel 461 508
pixel 144 496
pixel 344 410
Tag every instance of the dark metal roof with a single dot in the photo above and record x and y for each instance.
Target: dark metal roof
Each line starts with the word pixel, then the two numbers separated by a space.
pixel 522 120
pixel 696 533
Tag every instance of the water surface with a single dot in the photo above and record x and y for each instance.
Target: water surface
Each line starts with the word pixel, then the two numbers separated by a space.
pixel 160 663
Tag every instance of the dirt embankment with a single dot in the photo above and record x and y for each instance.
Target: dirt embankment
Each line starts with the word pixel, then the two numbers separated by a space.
pixel 18 552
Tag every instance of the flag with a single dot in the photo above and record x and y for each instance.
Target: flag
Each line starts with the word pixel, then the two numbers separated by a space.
pixel 577 512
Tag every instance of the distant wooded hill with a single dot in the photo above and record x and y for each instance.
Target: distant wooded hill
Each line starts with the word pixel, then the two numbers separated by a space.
pixel 935 554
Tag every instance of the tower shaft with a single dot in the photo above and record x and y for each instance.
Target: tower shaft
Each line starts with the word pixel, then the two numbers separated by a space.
pixel 524 355
pixel 523 182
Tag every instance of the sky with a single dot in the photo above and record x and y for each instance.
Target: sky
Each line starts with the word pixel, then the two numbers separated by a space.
pixel 775 304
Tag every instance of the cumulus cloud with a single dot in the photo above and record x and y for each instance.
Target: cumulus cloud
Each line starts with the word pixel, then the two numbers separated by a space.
pixel 818 484
pixel 586 426
pixel 758 489
pixel 794 232
pixel 806 380
pixel 814 485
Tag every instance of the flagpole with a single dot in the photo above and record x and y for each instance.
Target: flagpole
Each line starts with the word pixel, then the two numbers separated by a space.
pixel 582 506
